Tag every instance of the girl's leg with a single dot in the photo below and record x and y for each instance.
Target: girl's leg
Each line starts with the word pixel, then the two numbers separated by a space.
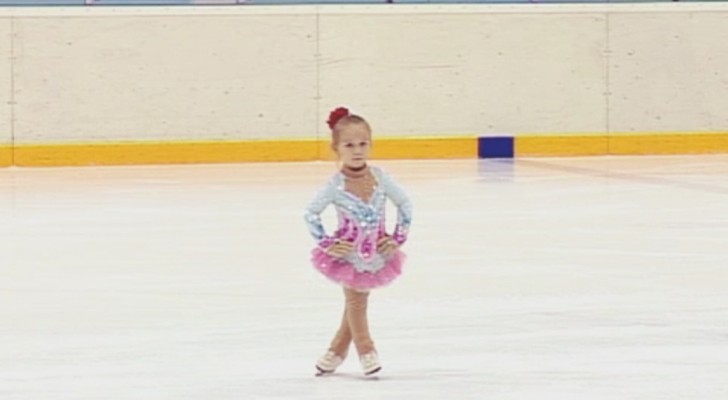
pixel 342 340
pixel 356 313
pixel 336 354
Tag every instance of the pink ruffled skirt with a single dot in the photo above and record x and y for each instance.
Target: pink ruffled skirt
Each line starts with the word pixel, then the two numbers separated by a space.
pixel 344 273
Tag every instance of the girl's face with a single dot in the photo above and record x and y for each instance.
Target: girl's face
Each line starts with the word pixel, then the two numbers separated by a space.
pixel 354 145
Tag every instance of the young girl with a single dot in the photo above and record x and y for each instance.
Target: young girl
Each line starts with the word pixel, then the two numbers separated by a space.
pixel 360 255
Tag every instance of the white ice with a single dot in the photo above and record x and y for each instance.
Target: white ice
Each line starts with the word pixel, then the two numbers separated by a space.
pixel 574 278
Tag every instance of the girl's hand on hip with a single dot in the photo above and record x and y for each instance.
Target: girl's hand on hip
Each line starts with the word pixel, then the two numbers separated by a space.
pixel 340 248
pixel 386 245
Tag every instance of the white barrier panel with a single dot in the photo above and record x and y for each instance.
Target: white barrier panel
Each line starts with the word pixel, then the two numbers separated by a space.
pixel 422 74
pixel 101 75
pixel 179 77
pixel 668 72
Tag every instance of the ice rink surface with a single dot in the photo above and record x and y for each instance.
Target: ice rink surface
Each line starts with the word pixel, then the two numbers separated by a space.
pixel 568 279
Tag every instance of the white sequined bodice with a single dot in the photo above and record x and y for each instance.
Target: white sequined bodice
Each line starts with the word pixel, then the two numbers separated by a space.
pixel 361 222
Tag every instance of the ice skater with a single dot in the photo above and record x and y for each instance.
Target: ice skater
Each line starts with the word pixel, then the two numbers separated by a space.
pixel 360 255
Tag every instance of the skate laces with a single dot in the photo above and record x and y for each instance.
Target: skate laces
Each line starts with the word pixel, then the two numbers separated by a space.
pixel 370 358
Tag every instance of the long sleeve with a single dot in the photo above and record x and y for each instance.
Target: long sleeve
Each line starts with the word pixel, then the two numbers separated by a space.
pixel 404 207
pixel 323 198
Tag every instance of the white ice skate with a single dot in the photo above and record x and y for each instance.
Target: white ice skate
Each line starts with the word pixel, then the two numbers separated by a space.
pixel 370 363
pixel 328 363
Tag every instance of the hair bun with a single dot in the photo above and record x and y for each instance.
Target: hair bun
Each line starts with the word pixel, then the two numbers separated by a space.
pixel 336 115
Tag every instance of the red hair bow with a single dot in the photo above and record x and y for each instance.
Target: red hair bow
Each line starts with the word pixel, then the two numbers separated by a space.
pixel 336 115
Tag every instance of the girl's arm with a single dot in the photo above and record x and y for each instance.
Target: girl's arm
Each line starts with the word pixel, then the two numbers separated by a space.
pixel 404 207
pixel 323 198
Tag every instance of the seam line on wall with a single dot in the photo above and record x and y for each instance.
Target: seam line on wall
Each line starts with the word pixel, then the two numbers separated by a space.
pixel 12 90
pixel 318 79
pixel 607 82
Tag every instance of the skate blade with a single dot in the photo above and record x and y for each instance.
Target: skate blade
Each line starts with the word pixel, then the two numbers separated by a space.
pixel 321 372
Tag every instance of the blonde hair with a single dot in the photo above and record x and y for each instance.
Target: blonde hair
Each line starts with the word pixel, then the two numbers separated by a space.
pixel 344 121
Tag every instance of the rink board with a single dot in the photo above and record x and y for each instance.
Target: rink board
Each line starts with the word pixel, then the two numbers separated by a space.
pixel 504 146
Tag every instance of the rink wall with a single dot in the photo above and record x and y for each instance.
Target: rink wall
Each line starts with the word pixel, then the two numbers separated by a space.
pixel 5 94
pixel 84 86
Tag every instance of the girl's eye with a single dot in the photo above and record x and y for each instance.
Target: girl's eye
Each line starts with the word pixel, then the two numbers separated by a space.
pixel 349 145
pixel 364 144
